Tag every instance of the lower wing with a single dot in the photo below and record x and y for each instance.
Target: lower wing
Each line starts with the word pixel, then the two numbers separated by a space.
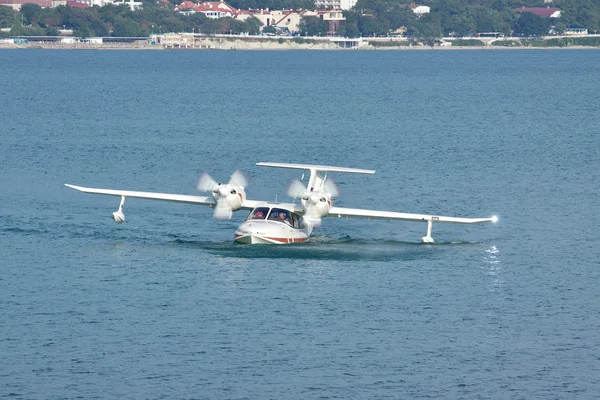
pixel 180 198
pixel 390 215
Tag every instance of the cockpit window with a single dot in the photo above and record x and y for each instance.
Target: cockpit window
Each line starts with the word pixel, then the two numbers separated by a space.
pixel 259 213
pixel 281 215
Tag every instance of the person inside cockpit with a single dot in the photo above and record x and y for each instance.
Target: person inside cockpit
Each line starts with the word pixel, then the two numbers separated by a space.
pixel 259 213
pixel 284 217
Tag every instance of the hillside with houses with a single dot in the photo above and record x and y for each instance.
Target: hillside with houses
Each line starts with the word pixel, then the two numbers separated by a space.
pixel 429 20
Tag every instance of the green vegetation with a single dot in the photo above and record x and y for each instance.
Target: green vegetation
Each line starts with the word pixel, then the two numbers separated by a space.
pixel 120 21
pixel 462 18
pixel 529 24
pixel 389 43
pixel 271 4
pixel 313 26
pixel 507 43
pixel 369 18
pixel 566 42
pixel 7 17
pixel 467 42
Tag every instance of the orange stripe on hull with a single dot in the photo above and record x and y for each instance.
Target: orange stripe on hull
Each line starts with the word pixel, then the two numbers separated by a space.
pixel 273 239
pixel 286 240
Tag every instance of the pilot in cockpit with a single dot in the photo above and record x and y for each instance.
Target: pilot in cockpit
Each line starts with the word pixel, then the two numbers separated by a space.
pixel 258 214
pixel 284 217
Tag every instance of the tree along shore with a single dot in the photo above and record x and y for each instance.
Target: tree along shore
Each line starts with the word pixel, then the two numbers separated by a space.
pixel 368 18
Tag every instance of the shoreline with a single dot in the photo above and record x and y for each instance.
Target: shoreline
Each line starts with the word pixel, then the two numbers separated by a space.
pixel 270 45
pixel 376 49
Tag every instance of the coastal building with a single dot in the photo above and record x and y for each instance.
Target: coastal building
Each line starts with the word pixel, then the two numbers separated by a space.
pixel 265 16
pixel 399 32
pixel 286 19
pixel 335 4
pixel 283 20
pixel 576 31
pixel 243 15
pixel 212 9
pixel 16 4
pixel 334 19
pixel 418 9
pixel 133 5
pixel 544 12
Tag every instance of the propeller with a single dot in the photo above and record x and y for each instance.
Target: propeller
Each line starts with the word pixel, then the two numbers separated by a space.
pixel 297 188
pixel 315 203
pixel 331 188
pixel 206 183
pixel 228 196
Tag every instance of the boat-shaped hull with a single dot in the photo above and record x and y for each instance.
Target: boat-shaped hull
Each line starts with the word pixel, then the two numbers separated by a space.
pixel 269 232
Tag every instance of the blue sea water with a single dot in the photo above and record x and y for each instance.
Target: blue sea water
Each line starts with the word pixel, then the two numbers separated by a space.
pixel 166 306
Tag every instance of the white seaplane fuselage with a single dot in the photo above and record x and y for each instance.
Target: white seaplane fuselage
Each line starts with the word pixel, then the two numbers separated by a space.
pixel 273 224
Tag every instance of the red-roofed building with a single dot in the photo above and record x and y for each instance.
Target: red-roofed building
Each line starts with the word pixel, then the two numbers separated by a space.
pixel 216 9
pixel 418 9
pixel 544 12
pixel 186 5
pixel 16 4
pixel 243 15
pixel 77 4
pixel 212 9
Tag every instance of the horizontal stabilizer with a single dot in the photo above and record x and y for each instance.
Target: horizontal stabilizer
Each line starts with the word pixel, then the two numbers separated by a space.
pixel 318 168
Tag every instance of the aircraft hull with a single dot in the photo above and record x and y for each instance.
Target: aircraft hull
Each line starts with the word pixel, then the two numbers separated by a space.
pixel 269 232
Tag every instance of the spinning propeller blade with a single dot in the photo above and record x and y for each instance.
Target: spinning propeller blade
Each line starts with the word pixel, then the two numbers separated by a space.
pixel 296 189
pixel 238 178
pixel 206 183
pixel 222 212
pixel 227 196
pixel 331 187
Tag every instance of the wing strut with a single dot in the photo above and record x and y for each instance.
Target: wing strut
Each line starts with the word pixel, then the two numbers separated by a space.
pixel 428 238
pixel 118 215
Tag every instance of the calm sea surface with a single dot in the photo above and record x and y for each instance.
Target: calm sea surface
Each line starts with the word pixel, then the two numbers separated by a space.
pixel 166 306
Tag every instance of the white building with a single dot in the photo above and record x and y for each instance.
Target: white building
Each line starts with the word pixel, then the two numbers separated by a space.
pixel 133 5
pixel 419 9
pixel 335 4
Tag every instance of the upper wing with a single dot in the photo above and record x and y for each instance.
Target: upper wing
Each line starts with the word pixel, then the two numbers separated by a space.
pixel 361 213
pixel 317 168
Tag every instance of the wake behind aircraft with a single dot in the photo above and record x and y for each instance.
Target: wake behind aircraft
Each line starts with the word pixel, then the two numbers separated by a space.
pixel 278 223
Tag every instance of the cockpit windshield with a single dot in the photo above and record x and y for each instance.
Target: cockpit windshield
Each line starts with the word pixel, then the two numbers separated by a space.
pixel 281 215
pixel 276 214
pixel 259 213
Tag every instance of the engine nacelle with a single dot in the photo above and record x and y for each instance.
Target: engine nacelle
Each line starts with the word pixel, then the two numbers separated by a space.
pixel 229 196
pixel 236 198
pixel 316 205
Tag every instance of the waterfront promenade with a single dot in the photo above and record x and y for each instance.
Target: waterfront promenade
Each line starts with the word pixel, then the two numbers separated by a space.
pixel 190 41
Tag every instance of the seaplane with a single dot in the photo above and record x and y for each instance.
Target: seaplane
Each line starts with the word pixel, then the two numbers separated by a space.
pixel 280 223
